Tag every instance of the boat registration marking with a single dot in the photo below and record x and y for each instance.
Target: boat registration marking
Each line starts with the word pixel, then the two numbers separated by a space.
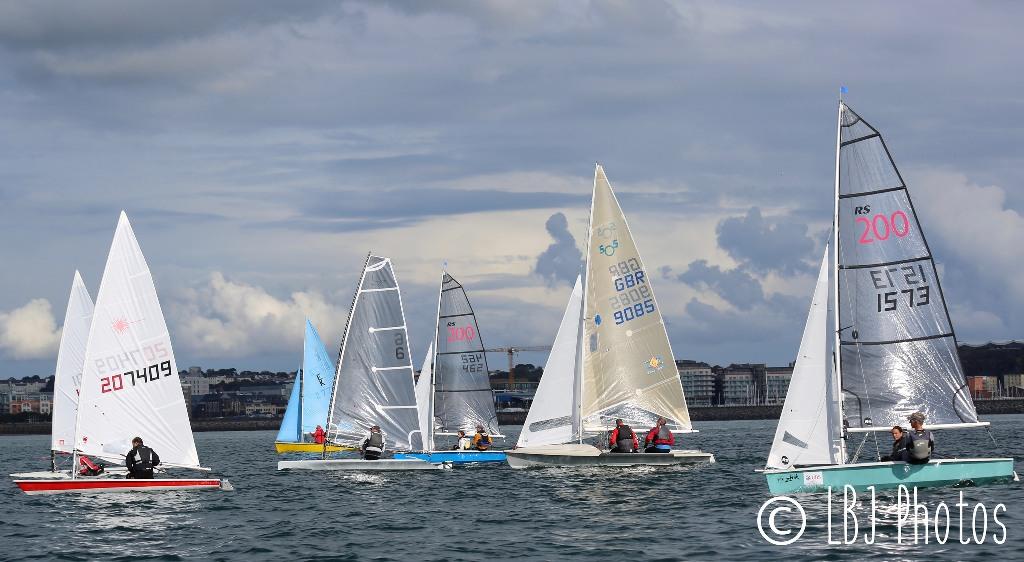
pixel 814 479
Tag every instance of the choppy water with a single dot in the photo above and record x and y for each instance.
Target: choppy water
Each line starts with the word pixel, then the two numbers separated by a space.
pixel 478 512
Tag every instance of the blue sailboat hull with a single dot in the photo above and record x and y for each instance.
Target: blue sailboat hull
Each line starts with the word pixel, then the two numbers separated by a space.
pixel 888 475
pixel 456 457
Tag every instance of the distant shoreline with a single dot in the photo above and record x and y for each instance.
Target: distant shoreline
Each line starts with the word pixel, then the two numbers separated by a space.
pixel 702 413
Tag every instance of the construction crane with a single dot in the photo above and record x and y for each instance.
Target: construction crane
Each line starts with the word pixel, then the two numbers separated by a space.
pixel 511 351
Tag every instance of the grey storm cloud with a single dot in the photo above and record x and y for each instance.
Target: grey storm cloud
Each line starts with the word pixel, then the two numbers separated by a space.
pixel 561 261
pixel 736 286
pixel 765 246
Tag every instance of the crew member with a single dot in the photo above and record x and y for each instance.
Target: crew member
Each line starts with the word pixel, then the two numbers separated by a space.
pixel 920 442
pixel 373 446
pixel 899 445
pixel 89 468
pixel 318 435
pixel 659 439
pixel 623 439
pixel 482 441
pixel 463 443
pixel 141 460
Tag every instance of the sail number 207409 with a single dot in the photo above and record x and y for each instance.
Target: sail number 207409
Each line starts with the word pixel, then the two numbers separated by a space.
pixel 633 296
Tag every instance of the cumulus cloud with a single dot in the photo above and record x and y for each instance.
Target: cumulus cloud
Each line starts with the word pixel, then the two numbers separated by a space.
pixel 560 263
pixel 29 332
pixel 764 245
pixel 737 287
pixel 225 318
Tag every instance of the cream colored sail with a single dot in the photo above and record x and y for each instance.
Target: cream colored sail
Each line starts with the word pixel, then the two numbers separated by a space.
pixel 628 370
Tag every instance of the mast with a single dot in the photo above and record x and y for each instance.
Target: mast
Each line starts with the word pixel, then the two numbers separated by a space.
pixel 433 360
pixel 578 375
pixel 837 379
pixel 298 381
pixel 341 352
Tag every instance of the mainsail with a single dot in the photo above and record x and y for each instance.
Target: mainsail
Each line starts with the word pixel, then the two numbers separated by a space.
pixel 462 390
pixel 317 380
pixel 628 370
pixel 808 429
pixel 898 349
pixel 130 385
pixel 375 382
pixel 70 359
pixel 550 419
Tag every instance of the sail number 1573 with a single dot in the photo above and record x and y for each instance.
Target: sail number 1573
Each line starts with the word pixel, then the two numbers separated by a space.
pixel 917 292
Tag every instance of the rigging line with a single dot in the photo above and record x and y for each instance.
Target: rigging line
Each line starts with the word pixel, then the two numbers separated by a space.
pixel 886 263
pixel 858 139
pixel 851 305
pixel 907 340
pixel 875 192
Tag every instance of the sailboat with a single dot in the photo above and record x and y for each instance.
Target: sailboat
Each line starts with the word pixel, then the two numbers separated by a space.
pixel 458 393
pixel 309 400
pixel 878 344
pixel 129 385
pixel 611 358
pixel 374 381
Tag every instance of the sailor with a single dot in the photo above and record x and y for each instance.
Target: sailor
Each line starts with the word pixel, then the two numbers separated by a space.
pixel 899 445
pixel 318 435
pixel 373 446
pixel 463 443
pixel 482 441
pixel 659 439
pixel 141 460
pixel 920 442
pixel 623 439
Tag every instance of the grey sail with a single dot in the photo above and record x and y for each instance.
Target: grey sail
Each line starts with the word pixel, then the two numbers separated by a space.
pixel 375 381
pixel 898 349
pixel 462 391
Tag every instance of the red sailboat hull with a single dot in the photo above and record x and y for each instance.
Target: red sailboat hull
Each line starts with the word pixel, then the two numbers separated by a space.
pixel 61 486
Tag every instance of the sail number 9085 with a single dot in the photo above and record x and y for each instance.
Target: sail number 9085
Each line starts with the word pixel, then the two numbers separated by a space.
pixel 635 311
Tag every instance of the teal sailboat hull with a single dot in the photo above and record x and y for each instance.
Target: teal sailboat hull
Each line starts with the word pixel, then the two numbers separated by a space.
pixel 456 457
pixel 888 475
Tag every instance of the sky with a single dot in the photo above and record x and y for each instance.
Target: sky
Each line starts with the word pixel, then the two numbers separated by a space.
pixel 261 149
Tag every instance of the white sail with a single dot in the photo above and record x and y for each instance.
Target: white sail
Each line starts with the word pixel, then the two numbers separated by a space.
pixel 804 434
pixel 549 421
pixel 130 384
pixel 629 370
pixel 375 384
pixel 424 399
pixel 70 359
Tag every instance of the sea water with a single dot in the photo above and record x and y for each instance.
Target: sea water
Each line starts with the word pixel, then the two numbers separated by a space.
pixel 490 512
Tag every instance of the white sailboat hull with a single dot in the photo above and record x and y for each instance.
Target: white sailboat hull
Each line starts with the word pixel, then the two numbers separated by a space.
pixel 358 464
pixel 588 455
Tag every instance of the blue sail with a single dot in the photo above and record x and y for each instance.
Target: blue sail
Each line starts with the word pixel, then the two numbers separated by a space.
pixel 289 432
pixel 317 382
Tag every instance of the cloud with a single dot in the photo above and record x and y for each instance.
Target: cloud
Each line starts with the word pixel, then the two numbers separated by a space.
pixel 765 246
pixel 561 261
pixel 736 286
pixel 224 318
pixel 29 332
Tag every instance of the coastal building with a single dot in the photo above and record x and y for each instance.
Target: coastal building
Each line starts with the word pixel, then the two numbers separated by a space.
pixel 983 387
pixel 738 388
pixel 777 384
pixel 698 382
pixel 1014 384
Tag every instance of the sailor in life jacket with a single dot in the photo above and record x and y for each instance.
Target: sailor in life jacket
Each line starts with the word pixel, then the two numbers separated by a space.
pixel 141 460
pixel 919 441
pixel 89 468
pixel 899 445
pixel 482 441
pixel 318 435
pixel 659 439
pixel 463 443
pixel 373 446
pixel 623 439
